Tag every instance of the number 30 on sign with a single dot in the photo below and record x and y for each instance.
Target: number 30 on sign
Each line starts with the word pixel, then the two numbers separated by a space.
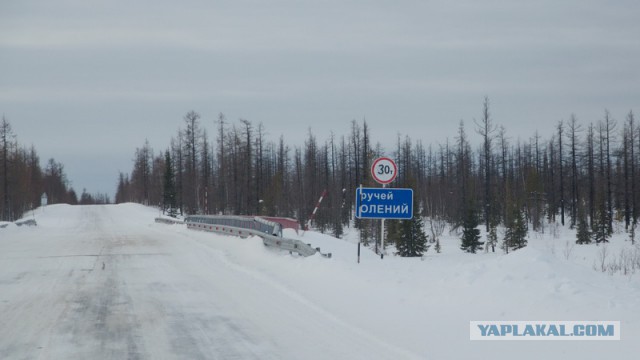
pixel 384 170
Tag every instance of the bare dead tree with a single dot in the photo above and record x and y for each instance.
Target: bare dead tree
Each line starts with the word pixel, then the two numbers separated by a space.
pixel 486 129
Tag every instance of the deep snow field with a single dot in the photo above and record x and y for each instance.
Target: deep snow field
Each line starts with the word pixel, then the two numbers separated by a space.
pixel 107 282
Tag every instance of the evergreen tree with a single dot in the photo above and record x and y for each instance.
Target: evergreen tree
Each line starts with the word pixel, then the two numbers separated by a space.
pixel 601 226
pixel 516 235
pixel 583 235
pixel 470 233
pixel 169 193
pixel 412 241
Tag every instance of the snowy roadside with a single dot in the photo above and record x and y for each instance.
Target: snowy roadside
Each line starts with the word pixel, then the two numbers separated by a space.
pixel 425 305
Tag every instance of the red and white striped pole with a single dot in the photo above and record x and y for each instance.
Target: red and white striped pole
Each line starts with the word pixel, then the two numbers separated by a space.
pixel 313 214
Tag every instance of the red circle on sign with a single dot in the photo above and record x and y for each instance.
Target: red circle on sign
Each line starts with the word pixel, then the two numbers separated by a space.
pixel 384 170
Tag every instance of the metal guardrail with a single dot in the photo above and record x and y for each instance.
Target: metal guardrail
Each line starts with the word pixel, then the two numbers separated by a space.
pixel 169 221
pixel 29 222
pixel 291 245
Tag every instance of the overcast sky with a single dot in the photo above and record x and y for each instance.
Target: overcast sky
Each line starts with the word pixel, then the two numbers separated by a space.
pixel 87 81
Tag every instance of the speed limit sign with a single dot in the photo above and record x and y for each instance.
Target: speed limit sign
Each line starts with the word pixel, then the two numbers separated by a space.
pixel 384 170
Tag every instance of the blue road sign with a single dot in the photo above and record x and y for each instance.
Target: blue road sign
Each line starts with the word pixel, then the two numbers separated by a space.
pixel 381 203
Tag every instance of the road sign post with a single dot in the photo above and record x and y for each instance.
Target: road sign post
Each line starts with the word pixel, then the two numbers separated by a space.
pixel 383 170
pixel 382 239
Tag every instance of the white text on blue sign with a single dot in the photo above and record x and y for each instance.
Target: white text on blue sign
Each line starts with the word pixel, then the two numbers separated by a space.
pixel 380 203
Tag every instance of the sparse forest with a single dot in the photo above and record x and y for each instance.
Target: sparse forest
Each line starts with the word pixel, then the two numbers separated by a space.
pixel 584 174
pixel 23 180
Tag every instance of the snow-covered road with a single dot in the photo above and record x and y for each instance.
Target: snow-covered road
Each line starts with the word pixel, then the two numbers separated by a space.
pixel 96 282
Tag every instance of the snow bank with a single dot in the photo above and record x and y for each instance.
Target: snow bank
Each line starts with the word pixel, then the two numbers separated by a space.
pixel 425 304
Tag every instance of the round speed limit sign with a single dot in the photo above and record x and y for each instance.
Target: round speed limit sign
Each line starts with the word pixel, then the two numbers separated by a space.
pixel 384 170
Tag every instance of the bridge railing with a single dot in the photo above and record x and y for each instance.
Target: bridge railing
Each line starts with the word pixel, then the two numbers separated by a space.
pixel 290 245
pixel 268 239
pixel 169 221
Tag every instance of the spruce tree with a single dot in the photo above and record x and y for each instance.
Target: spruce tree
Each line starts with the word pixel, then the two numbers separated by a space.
pixel 169 193
pixel 470 232
pixel 412 241
pixel 515 236
pixel 583 235
pixel 601 226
